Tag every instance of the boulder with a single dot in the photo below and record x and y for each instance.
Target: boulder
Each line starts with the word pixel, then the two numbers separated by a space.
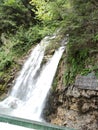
pixel 89 82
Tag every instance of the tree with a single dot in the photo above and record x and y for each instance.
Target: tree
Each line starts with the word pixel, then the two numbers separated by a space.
pixel 14 14
pixel 49 10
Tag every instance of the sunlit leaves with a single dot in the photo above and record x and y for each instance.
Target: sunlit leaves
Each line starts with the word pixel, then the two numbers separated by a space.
pixel 47 10
pixel 41 9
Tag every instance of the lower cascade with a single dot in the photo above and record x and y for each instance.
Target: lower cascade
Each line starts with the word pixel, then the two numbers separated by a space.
pixel 28 95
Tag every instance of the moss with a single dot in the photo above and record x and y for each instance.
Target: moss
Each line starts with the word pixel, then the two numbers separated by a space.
pixel 2 87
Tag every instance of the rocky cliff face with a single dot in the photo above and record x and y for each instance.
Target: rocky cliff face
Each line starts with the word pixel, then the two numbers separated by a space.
pixel 73 106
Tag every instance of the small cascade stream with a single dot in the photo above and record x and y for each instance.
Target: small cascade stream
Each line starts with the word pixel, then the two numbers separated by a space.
pixel 28 95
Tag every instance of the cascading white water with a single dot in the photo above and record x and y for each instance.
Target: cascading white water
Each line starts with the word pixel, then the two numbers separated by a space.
pixel 28 95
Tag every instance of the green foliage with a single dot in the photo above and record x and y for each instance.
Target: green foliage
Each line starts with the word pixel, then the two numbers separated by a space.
pixel 95 38
pixel 96 74
pixel 54 84
pixel 25 38
pixel 13 14
pixel 51 10
pixel 6 61
pixel 82 28
pixel 22 41
pixel 41 9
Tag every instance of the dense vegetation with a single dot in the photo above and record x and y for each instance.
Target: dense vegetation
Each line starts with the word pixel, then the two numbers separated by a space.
pixel 83 42
pixel 26 22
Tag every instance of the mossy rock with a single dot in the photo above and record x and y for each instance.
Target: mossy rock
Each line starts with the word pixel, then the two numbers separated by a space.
pixel 2 87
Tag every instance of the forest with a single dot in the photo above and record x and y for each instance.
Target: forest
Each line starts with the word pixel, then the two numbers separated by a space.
pixel 24 23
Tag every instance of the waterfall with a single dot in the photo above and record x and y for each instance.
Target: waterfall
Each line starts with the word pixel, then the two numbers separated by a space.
pixel 28 95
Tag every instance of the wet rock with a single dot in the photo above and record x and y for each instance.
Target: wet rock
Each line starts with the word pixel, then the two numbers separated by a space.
pixel 2 87
pixel 3 96
pixel 46 58
pixel 9 82
pixel 2 81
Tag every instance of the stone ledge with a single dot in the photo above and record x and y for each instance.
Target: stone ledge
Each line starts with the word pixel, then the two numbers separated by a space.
pixel 85 82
